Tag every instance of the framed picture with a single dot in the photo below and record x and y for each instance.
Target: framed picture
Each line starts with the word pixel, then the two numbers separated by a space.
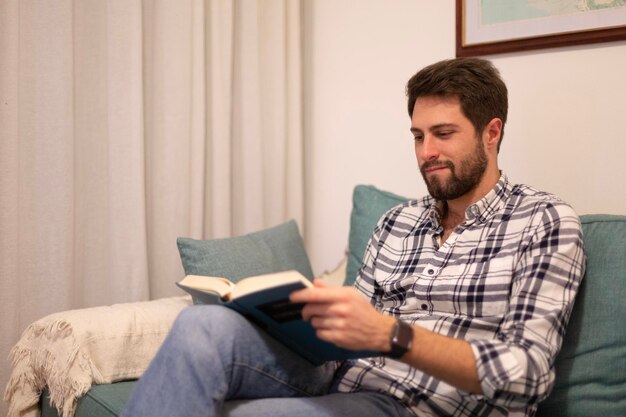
pixel 486 27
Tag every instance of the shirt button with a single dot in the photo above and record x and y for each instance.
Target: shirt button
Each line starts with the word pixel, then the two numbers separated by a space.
pixel 424 307
pixel 431 271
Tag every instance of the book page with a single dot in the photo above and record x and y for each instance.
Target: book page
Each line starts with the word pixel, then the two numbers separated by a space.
pixel 261 282
pixel 221 286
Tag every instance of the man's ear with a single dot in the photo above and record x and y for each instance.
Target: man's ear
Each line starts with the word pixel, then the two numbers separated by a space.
pixel 493 133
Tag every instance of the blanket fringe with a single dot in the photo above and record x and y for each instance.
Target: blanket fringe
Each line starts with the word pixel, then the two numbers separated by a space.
pixel 66 372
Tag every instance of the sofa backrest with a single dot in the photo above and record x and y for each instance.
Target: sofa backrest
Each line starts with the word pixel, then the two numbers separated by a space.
pixel 591 368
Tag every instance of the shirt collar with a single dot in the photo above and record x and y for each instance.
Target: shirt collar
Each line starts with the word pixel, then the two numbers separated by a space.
pixel 490 203
pixel 480 210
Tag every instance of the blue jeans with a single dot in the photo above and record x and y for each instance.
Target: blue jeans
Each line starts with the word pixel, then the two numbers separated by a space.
pixel 216 363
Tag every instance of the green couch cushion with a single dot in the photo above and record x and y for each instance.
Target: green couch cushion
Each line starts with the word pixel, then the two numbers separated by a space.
pixel 591 368
pixel 276 249
pixel 368 205
pixel 106 400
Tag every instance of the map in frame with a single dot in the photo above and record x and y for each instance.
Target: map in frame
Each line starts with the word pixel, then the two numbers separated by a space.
pixel 502 11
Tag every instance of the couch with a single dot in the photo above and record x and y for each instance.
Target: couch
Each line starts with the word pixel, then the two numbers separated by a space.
pixel 590 369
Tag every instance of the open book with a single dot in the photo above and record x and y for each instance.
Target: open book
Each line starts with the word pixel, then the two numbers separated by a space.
pixel 264 299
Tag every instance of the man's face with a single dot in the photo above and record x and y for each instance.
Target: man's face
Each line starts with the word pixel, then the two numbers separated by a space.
pixel 449 152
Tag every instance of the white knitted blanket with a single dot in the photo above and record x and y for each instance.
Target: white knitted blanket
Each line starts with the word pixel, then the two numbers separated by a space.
pixel 71 350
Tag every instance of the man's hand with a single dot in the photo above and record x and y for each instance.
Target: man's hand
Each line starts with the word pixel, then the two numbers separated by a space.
pixel 343 317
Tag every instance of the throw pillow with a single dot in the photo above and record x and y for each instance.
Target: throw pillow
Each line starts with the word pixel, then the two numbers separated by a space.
pixel 368 205
pixel 276 249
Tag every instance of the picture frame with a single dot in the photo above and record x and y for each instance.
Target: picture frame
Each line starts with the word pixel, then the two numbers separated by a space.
pixel 480 31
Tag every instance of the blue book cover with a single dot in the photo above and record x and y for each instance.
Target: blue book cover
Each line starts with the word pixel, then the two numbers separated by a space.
pixel 265 301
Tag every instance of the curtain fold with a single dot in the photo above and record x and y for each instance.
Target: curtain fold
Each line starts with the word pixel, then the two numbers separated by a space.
pixel 124 124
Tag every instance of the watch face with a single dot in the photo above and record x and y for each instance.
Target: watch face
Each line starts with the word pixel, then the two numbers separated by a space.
pixel 405 335
pixel 401 339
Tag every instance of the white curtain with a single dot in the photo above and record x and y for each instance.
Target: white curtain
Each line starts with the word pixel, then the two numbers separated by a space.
pixel 124 124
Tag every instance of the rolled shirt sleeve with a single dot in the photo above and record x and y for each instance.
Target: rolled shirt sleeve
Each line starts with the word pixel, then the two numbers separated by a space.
pixel 516 368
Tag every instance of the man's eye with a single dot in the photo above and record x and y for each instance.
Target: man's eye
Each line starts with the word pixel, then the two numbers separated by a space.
pixel 418 138
pixel 445 133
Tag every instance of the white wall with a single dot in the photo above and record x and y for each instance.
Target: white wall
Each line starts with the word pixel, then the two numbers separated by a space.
pixel 567 120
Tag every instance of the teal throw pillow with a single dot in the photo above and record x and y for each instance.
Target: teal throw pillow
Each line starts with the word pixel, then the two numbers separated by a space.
pixel 368 205
pixel 276 249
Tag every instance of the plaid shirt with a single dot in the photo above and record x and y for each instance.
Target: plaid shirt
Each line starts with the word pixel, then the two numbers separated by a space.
pixel 504 280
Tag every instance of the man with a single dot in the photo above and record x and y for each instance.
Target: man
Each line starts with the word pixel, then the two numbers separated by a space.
pixel 468 290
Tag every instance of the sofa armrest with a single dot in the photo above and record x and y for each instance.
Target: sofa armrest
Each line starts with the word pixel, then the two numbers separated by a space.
pixel 71 350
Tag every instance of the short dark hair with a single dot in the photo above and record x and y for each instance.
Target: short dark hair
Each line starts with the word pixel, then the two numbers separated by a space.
pixel 476 82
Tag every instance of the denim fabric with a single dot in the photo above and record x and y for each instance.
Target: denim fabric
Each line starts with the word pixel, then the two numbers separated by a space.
pixel 214 355
pixel 357 404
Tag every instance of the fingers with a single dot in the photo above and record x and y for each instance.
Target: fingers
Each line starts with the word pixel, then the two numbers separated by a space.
pixel 340 316
pixel 327 323
pixel 322 309
pixel 319 294
pixel 318 283
pixel 334 330
pixel 352 333
pixel 329 301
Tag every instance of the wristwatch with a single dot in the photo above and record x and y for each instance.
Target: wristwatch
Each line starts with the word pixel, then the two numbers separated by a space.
pixel 401 339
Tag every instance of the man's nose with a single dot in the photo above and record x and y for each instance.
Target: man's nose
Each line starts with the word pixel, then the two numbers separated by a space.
pixel 428 150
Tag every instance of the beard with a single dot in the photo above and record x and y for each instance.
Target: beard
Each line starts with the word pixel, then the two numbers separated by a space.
pixel 470 172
